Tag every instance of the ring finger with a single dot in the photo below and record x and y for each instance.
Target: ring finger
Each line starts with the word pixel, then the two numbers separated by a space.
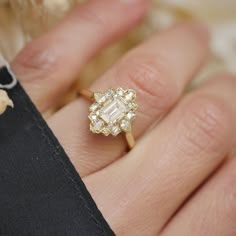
pixel 169 164
pixel 158 70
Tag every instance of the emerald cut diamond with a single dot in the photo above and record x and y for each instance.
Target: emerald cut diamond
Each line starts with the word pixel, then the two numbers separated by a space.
pixel 113 111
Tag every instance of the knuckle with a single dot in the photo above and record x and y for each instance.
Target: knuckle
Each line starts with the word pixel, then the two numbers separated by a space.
pixel 151 81
pixel 207 123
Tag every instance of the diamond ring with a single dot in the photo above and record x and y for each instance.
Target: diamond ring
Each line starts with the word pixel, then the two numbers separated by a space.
pixel 112 112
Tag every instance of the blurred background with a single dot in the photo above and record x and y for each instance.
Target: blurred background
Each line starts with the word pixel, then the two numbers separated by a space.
pixel 22 20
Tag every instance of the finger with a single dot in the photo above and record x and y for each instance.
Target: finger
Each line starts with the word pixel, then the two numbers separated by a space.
pixel 158 70
pixel 49 64
pixel 169 163
pixel 212 211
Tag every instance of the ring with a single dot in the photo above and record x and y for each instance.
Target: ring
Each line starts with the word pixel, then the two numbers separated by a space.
pixel 112 112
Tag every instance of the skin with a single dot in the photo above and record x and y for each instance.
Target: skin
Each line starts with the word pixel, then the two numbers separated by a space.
pixel 180 177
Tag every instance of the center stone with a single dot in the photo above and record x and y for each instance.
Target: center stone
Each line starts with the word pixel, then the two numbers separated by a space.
pixel 113 110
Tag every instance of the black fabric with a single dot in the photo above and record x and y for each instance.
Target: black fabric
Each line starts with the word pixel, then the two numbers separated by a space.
pixel 40 191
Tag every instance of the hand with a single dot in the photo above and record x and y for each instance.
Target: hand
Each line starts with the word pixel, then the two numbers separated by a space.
pixel 179 179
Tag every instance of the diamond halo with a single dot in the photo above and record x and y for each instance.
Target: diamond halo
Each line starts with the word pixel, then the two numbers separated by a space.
pixel 113 111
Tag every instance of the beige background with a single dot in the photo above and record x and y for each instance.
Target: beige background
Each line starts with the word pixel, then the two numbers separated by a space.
pixel 22 20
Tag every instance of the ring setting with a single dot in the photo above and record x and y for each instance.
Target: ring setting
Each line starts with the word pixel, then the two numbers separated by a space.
pixel 113 111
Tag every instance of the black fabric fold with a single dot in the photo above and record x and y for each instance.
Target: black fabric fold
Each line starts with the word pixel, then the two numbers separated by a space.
pixel 40 191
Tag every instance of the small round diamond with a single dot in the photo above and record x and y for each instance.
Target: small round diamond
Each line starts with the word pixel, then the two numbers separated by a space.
pixel 106 131
pixel 120 91
pixel 97 126
pixel 110 93
pixel 131 115
pixel 97 113
pixel 125 125
pixel 93 117
pixel 133 106
pixel 130 95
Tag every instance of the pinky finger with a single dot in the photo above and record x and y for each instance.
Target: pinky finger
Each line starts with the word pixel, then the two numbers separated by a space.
pixel 212 211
